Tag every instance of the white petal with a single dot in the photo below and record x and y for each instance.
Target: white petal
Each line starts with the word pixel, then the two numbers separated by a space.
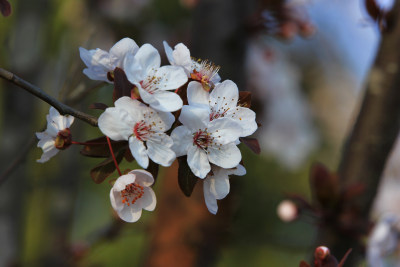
pixel 165 101
pixel 197 95
pixel 98 63
pixel 181 55
pixel 226 156
pixel 198 161
pixel 132 106
pixel 116 200
pixel 138 151
pixel 194 118
pixel 148 200
pixel 130 213
pixel 161 153
pixel 225 94
pixel 219 183
pixel 123 181
pixel 48 154
pixel 246 119
pixel 122 48
pixel 211 201
pixel 116 124
pixel 168 52
pixel 96 75
pixel 182 138
pixel 148 57
pixel 143 177
pixel 239 170
pixel 172 77
pixel 225 130
pixel 134 71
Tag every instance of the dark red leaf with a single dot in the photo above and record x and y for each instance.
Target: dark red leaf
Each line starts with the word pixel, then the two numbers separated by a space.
pixel 100 106
pixel 105 168
pixel 5 8
pixel 373 9
pixel 354 190
pixel 186 179
pixel 252 143
pixel 153 169
pixel 244 99
pixel 122 86
pixel 304 264
pixel 324 185
pixel 99 147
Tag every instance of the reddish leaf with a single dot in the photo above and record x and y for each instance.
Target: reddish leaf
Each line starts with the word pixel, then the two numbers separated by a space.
pixel 373 9
pixel 122 86
pixel 128 156
pixel 252 143
pixel 324 185
pixel 99 147
pixel 153 169
pixel 5 8
pixel 353 191
pixel 105 168
pixel 304 264
pixel 100 106
pixel 244 99
pixel 186 179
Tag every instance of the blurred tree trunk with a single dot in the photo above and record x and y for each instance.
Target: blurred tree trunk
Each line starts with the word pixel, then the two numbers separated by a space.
pixel 370 142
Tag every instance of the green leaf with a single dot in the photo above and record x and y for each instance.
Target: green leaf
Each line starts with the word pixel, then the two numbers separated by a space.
pixel 186 179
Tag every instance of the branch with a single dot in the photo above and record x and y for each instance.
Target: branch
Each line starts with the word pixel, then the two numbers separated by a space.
pixel 36 91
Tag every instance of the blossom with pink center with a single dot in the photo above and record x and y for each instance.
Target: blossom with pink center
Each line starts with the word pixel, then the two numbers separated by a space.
pixel 203 71
pixel 100 64
pixel 222 102
pixel 205 141
pixel 56 135
pixel 143 127
pixel 216 185
pixel 131 193
pixel 153 81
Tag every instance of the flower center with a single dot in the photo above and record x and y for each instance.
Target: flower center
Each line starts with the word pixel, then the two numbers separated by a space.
pixel 142 131
pixel 152 82
pixel 202 139
pixel 63 139
pixel 131 193
pixel 204 71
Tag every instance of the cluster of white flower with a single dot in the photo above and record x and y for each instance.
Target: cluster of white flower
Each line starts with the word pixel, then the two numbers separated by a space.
pixel 207 131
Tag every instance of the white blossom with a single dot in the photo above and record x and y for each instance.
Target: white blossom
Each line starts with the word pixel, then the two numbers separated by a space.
pixel 131 193
pixel 153 81
pixel 216 185
pixel 56 123
pixel 205 141
pixel 101 63
pixel 222 102
pixel 203 71
pixel 143 127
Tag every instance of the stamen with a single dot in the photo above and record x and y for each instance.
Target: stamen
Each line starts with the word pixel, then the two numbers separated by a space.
pixel 204 71
pixel 131 193
pixel 142 131
pixel 202 139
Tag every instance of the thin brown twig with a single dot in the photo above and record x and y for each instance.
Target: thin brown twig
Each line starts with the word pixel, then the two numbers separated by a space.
pixel 36 91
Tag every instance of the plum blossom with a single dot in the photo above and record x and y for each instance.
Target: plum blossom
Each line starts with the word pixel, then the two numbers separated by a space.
pixel 222 102
pixel 203 71
pixel 143 127
pixel 57 135
pixel 216 185
pixel 131 193
pixel 153 81
pixel 205 141
pixel 100 64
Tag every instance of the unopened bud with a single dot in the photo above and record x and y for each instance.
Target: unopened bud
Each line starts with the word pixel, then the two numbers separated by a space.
pixel 321 253
pixel 287 211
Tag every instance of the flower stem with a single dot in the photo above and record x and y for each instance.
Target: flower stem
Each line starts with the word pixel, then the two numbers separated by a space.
pixel 113 156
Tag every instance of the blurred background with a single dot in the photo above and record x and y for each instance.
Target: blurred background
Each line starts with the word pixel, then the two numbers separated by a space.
pixel 305 63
